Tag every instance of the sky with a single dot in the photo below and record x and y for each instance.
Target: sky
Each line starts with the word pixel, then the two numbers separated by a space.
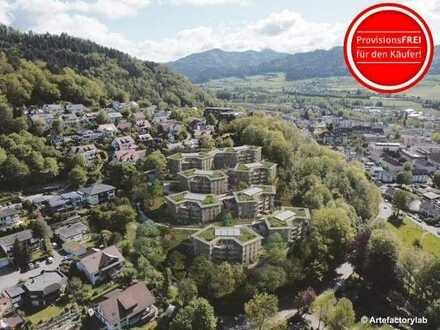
pixel 165 30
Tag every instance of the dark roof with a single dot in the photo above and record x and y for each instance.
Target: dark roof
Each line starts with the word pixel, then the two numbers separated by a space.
pixel 47 282
pixel 100 259
pixel 71 230
pixel 8 211
pixel 8 241
pixel 14 291
pixel 124 304
pixel 97 188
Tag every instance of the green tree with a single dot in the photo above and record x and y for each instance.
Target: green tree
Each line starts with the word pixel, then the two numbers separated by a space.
pixel 400 201
pixel 187 291
pixel 260 308
pixel 78 176
pixel 102 118
pixel 156 161
pixel 199 314
pixel 323 305
pixel 404 177
pixel 341 316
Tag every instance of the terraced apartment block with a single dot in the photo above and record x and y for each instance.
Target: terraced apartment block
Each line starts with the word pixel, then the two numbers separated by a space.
pixel 253 173
pixel 214 159
pixel 203 182
pixel 187 161
pixel 231 157
pixel 190 207
pixel 238 244
pixel 254 201
pixel 290 222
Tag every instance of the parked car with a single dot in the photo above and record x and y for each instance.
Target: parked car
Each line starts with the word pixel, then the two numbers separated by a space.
pixel 49 260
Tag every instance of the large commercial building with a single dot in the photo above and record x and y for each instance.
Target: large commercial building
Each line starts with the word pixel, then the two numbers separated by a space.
pixel 238 244
pixel 254 201
pixel 204 182
pixel 189 207
pixel 290 222
pixel 253 173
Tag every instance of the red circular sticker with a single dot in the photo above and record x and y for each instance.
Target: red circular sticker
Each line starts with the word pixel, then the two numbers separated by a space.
pixel 388 48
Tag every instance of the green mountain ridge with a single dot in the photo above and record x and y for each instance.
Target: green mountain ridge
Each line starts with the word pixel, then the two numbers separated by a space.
pixel 217 64
pixel 121 76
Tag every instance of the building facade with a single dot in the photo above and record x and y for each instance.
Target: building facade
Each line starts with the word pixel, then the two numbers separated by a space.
pixel 239 244
pixel 188 207
pixel 203 182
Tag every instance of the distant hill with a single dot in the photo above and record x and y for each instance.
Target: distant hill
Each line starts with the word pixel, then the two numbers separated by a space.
pixel 215 64
pixel 122 76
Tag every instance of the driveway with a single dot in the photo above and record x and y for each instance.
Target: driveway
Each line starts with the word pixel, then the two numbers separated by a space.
pixel 10 279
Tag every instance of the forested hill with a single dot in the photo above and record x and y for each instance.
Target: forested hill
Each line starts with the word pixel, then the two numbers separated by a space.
pixel 84 64
pixel 216 64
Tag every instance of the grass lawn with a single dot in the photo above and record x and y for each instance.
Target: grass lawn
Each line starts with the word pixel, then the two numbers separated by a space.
pixel 177 236
pixel 46 314
pixel 149 326
pixel 409 231
pixel 131 231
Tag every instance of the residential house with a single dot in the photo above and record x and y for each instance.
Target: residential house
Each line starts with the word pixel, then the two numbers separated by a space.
pixel 77 231
pixel 221 114
pixel 25 237
pixel 124 143
pixel 10 215
pixel 76 108
pixel 124 126
pixel 128 155
pixel 45 288
pixel 238 244
pixel 89 152
pixel 98 193
pixel 115 117
pixel 125 309
pixel 65 202
pixel 101 265
pixel 190 207
pixel 108 129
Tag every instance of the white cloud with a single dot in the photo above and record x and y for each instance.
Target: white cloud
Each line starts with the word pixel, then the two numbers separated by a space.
pixel 286 31
pixel 5 12
pixel 107 8
pixel 207 2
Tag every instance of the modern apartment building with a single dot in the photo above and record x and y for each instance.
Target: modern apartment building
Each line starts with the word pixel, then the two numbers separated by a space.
pixel 253 173
pixel 204 182
pixel 238 244
pixel 231 157
pixel 254 201
pixel 190 207
pixel 186 161
pixel 214 159
pixel 290 222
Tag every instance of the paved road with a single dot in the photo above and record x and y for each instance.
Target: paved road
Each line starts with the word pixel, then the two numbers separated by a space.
pixel 431 229
pixel 386 209
pixel 344 272
pixel 10 279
